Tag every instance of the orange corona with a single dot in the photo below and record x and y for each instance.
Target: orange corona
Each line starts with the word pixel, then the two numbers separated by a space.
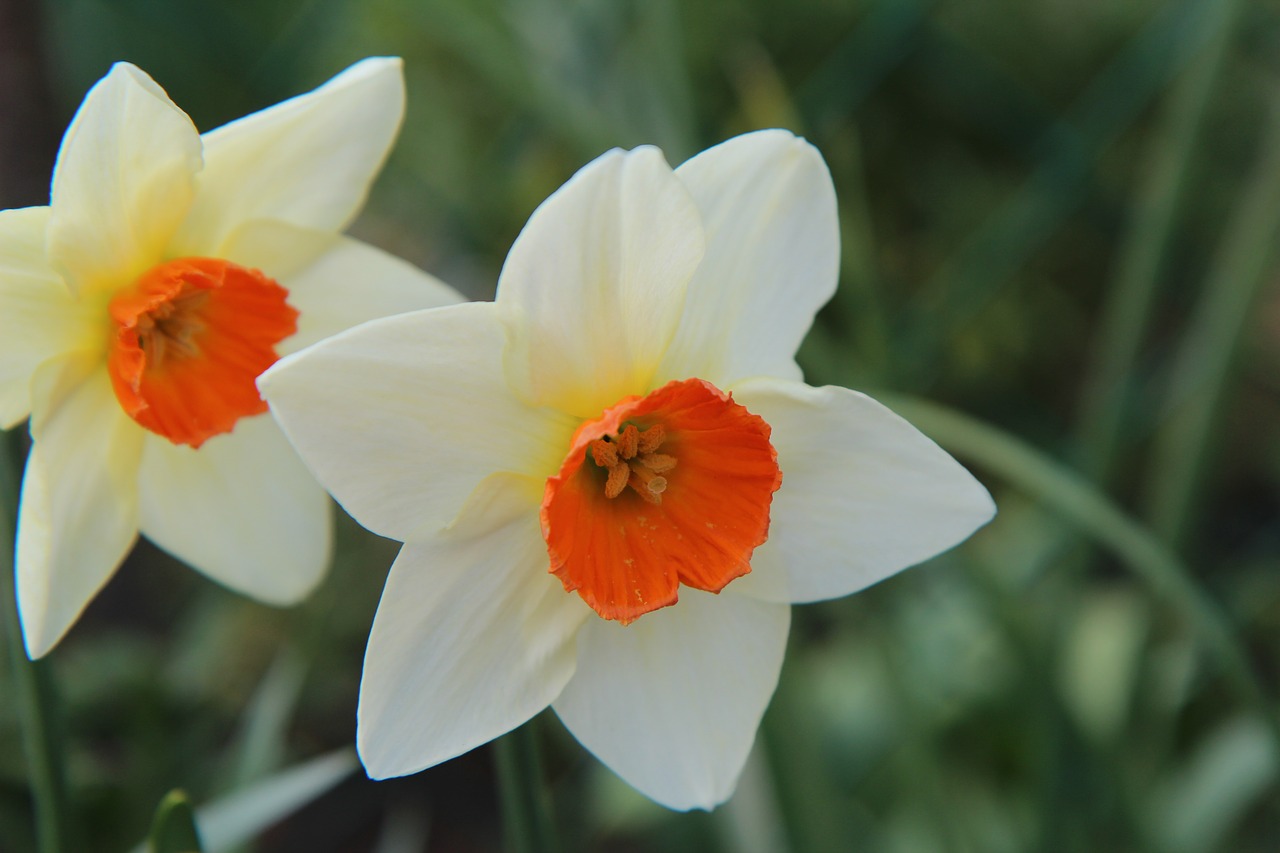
pixel 667 489
pixel 191 337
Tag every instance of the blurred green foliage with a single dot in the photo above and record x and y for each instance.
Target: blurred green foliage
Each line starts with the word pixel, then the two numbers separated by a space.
pixel 1059 217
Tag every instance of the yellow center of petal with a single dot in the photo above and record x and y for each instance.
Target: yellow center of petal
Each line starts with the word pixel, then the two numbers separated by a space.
pixel 191 336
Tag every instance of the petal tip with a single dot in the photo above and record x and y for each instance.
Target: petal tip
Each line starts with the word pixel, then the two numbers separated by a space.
pixel 36 647
pixel 371 68
pixel 376 767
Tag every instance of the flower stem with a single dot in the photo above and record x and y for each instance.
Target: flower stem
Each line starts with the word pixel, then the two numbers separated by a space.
pixel 33 688
pixel 526 808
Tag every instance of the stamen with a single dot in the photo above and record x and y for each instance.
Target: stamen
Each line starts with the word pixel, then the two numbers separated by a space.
pixel 172 328
pixel 628 441
pixel 652 438
pixel 658 462
pixel 619 476
pixel 604 452
pixel 630 460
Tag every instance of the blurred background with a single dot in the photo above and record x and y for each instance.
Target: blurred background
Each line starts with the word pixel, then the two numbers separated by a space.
pixel 1059 224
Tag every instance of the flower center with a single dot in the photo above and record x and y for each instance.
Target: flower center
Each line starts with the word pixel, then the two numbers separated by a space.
pixel 625 524
pixel 191 337
pixel 630 459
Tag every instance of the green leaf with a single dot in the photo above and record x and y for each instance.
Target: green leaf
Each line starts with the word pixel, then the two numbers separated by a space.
pixel 240 816
pixel 1078 502
pixel 1194 810
pixel 266 719
pixel 174 828
pixel 1200 386
pixel 1100 661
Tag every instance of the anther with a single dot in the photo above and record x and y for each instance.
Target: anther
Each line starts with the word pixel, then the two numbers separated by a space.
pixel 652 438
pixel 619 476
pixel 628 441
pixel 630 459
pixel 657 462
pixel 604 452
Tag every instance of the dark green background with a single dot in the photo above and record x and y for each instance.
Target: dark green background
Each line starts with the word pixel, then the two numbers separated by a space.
pixel 1059 218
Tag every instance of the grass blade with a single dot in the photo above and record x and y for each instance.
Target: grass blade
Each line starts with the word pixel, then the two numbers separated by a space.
pixel 1071 496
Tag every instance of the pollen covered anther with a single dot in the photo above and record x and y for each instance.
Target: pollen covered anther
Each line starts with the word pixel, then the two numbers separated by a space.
pixel 191 337
pixel 630 460
pixel 679 493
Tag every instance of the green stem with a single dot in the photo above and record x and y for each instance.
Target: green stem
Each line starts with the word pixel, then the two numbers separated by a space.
pixel 33 688
pixel 526 807
pixel 1072 497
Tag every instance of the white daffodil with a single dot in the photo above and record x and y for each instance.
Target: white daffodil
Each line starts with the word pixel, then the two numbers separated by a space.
pixel 138 308
pixel 577 468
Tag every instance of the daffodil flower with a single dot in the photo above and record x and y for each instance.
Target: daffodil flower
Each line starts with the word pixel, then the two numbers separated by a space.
pixel 138 308
pixel 612 482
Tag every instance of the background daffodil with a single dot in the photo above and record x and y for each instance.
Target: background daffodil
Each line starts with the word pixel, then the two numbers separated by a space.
pixel 136 310
pixel 576 466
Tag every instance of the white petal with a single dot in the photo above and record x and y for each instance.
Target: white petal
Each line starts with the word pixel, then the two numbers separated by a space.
pixel 124 180
pixel 671 702
pixel 79 512
pixel 307 161
pixel 242 509
pixel 354 283
pixel 402 418
pixel 39 319
pixel 773 256
pixel 473 636
pixel 341 283
pixel 599 274
pixel 864 494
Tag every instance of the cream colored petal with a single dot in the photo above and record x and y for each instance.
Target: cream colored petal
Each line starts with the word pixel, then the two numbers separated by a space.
pixel 307 161
pixel 864 494
pixel 124 180
pixel 773 256
pixel 599 275
pixel 335 282
pixel 79 512
pixel 402 418
pixel 39 319
pixel 242 509
pixel 671 702
pixel 473 636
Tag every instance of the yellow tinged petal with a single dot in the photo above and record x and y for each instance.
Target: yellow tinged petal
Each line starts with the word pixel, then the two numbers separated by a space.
pixel 124 180
pixel 773 256
pixel 864 494
pixel 403 418
pixel 79 511
pixel 598 278
pixel 242 509
pixel 671 702
pixel 39 319
pixel 335 282
pixel 307 161
pixel 472 637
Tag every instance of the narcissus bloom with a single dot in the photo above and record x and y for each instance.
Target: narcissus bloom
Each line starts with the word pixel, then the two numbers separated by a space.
pixel 612 482
pixel 138 308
